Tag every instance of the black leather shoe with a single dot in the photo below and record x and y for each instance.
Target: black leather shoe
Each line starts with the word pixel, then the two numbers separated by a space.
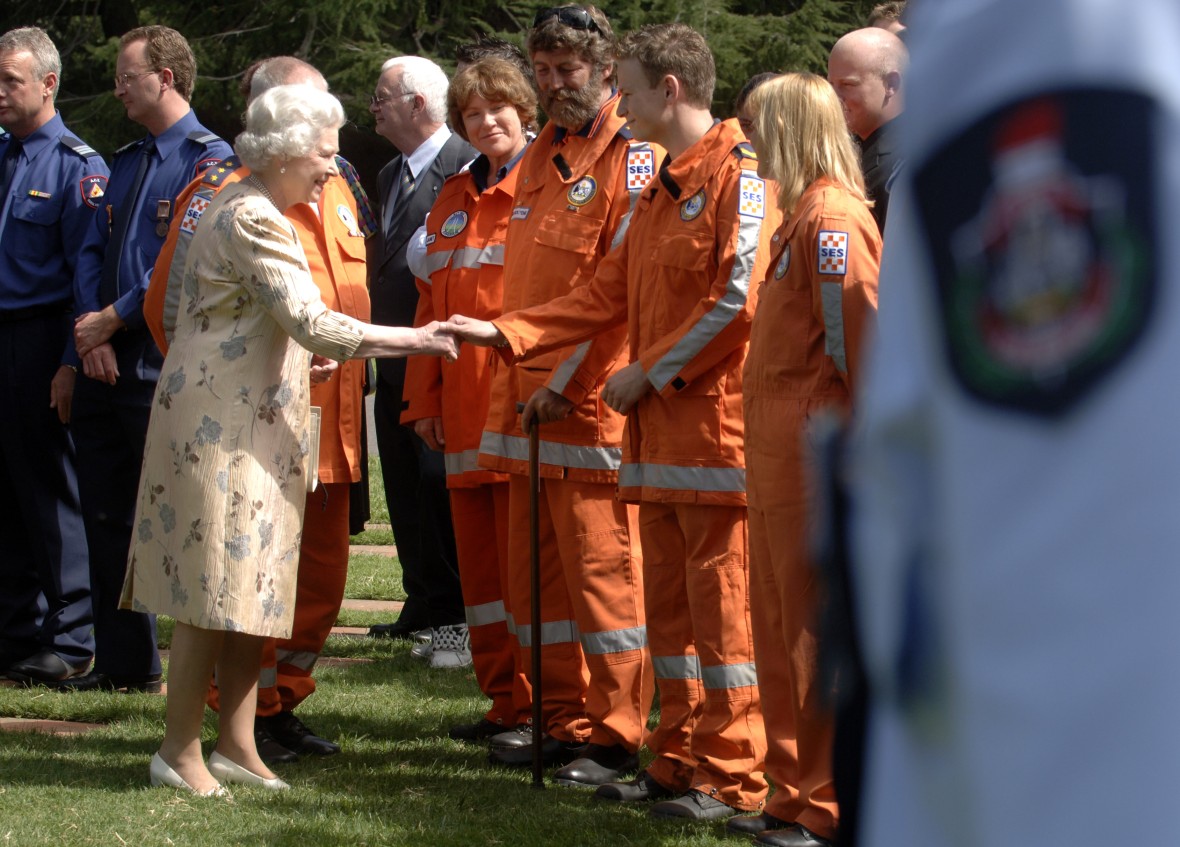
pixel 513 739
pixel 795 835
pixel 399 629
pixel 639 790
pixel 45 668
pixel 692 805
pixel 269 750
pixel 598 765
pixel 95 681
pixel 11 653
pixel 481 730
pixel 295 735
pixel 754 824
pixel 553 752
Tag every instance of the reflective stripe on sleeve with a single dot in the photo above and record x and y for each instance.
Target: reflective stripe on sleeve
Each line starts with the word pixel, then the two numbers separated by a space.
pixel 564 372
pixel 463 462
pixel 731 304
pixel 833 302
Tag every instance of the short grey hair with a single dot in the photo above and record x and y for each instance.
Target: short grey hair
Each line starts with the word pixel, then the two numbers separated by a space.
pixel 34 40
pixel 422 76
pixel 280 70
pixel 286 122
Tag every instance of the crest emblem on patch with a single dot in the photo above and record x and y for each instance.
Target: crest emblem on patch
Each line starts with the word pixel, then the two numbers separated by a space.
pixel 582 191
pixel 832 249
pixel 192 215
pixel 455 223
pixel 784 262
pixel 691 208
pixel 1046 258
pixel 752 191
pixel 347 218
pixel 641 167
pixel 93 189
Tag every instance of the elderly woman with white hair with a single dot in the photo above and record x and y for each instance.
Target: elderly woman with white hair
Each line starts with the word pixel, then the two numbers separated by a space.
pixel 223 485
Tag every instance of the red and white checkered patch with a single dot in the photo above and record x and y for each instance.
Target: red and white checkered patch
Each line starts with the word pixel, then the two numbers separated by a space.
pixel 196 208
pixel 833 252
pixel 641 167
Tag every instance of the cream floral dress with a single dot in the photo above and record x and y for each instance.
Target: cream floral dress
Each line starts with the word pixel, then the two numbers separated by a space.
pixel 223 486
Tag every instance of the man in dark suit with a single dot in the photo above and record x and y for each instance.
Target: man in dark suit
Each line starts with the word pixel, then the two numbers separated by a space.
pixel 410 108
pixel 866 68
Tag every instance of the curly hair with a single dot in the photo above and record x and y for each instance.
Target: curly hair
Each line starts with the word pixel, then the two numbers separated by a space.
pixel 285 123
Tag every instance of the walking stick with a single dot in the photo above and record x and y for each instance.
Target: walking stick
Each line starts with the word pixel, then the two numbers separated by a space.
pixel 535 598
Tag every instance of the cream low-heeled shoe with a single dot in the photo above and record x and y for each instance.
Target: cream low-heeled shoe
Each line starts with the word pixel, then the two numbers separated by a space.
pixel 162 774
pixel 225 770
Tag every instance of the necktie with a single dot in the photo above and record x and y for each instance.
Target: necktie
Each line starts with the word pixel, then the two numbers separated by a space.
pixel 108 289
pixel 407 181
pixel 8 170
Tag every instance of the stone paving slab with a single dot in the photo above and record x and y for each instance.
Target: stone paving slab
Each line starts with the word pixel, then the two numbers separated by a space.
pixel 374 550
pixel 392 606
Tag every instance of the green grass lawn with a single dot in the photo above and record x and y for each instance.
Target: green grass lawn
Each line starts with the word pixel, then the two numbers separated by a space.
pixel 399 781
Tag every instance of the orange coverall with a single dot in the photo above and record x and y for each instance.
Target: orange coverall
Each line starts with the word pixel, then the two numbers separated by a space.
pixel 814 308
pixel 335 250
pixel 574 194
pixel 465 260
pixel 681 281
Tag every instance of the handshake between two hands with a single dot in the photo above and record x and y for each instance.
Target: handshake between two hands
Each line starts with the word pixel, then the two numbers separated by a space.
pixel 442 338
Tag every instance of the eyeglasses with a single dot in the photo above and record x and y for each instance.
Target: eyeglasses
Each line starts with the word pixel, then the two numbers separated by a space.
pixel 123 79
pixel 575 17
pixel 376 100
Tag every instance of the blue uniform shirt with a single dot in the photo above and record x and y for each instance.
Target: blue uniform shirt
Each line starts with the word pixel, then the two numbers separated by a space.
pixel 58 183
pixel 183 151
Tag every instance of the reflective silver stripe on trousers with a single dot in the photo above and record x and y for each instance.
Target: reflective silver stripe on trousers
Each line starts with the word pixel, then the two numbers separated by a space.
pixel 833 300
pixel 268 678
pixel 614 640
pixel 676 667
pixel 551 453
pixel 729 676
pixel 485 613
pixel 457 463
pixel 681 478
pixel 304 660
pixel 731 304
pixel 553 632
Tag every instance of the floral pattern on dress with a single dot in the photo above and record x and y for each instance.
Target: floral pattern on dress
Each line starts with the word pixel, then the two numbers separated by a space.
pixel 222 490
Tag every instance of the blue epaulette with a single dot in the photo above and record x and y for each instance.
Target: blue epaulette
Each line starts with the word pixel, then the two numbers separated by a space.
pixel 79 146
pixel 625 132
pixel 215 174
pixel 203 136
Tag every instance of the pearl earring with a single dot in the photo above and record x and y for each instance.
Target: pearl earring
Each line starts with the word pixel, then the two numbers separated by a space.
pixel 282 170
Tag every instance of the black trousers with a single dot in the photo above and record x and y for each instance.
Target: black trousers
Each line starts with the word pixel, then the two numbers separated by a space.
pixel 44 568
pixel 420 516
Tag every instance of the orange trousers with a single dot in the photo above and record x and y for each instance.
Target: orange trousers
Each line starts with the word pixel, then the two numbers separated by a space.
pixel 480 517
pixel 595 667
pixel 800 727
pixel 285 679
pixel 710 735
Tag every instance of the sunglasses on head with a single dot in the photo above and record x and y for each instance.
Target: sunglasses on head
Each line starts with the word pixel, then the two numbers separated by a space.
pixel 575 17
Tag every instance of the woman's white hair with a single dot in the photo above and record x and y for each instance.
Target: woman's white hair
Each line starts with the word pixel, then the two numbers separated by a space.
pixel 286 122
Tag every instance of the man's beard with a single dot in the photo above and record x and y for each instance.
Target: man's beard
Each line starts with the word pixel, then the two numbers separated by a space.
pixel 572 109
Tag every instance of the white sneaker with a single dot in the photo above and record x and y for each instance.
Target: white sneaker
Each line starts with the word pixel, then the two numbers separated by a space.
pixel 452 647
pixel 423 650
pixel 424 636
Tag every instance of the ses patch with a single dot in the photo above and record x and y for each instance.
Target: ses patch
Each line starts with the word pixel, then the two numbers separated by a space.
pixel 641 167
pixel 832 255
pixel 1046 250
pixel 752 191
